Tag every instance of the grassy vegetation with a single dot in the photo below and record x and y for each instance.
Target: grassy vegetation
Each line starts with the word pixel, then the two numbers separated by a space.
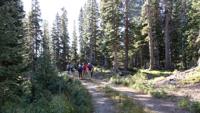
pixel 140 81
pixel 124 103
pixel 79 97
pixel 192 78
pixel 101 69
pixel 72 97
pixel 193 107
pixel 157 73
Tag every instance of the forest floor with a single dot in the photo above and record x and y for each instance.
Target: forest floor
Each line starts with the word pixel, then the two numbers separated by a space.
pixel 103 104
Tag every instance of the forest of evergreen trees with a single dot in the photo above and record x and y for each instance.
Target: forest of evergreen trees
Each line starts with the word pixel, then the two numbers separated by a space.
pixel 155 34
pixel 123 34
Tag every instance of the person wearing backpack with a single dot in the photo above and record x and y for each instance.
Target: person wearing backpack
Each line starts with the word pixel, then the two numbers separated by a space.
pixel 91 69
pixel 85 69
pixel 80 71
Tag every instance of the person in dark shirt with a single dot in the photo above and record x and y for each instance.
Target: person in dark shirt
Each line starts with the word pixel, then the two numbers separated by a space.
pixel 80 71
pixel 91 69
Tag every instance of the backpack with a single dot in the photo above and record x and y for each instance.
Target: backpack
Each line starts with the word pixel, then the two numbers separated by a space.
pixel 80 68
pixel 90 67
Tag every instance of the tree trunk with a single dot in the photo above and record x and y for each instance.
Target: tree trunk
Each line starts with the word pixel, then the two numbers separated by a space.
pixel 141 58
pixel 126 34
pixel 115 45
pixel 168 63
pixel 198 63
pixel 150 35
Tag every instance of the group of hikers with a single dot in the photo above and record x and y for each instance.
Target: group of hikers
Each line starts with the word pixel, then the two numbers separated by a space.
pixel 83 69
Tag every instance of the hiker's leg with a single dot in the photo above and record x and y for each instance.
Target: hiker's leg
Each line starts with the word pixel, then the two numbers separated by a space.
pixel 91 74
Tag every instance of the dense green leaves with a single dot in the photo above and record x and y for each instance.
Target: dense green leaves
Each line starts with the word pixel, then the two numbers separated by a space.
pixel 11 50
pixel 74 49
pixel 89 31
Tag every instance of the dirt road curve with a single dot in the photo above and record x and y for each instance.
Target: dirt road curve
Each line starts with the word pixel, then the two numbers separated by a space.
pixel 101 103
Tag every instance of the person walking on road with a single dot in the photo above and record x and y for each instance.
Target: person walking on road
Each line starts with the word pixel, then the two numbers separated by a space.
pixel 80 71
pixel 91 69
pixel 68 68
pixel 85 69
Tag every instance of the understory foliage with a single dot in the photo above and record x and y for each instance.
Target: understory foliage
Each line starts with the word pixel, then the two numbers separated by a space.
pixel 142 80
pixel 66 96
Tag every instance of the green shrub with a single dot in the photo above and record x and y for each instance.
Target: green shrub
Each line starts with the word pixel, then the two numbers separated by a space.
pixel 159 94
pixel 39 106
pixel 195 107
pixel 184 103
pixel 51 99
pixel 79 97
pixel 60 104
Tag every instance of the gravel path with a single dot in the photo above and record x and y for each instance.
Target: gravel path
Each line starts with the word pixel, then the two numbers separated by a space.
pixel 154 104
pixel 101 103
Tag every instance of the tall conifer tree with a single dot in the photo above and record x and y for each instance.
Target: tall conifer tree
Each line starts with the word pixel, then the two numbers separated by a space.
pixel 11 49
pixel 64 38
pixel 74 48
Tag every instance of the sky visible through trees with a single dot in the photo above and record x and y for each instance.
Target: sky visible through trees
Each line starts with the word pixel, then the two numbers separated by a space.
pixel 49 9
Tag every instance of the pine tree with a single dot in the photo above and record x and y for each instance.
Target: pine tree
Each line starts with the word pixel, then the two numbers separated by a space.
pixel 46 72
pixel 168 11
pixel 46 41
pixel 92 14
pixel 74 48
pixel 12 51
pixel 126 33
pixel 151 17
pixel 36 37
pixel 35 32
pixel 110 14
pixel 178 39
pixel 132 11
pixel 88 28
pixel 193 33
pixel 64 38
pixel 86 32
pixel 57 41
pixel 81 31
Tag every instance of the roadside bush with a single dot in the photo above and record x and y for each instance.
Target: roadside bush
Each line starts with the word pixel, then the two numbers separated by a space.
pixel 60 104
pixel 195 107
pixel 184 103
pixel 79 97
pixel 159 94
pixel 69 97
